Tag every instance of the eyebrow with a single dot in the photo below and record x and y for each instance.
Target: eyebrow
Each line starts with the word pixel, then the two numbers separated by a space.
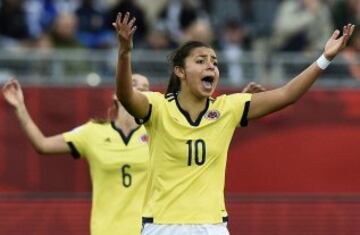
pixel 213 57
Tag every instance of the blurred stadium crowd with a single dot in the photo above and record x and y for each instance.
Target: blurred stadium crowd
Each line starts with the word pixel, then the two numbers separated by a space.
pixel 232 26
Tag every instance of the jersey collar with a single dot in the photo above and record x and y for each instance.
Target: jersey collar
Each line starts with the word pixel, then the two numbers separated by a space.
pixel 126 139
pixel 187 115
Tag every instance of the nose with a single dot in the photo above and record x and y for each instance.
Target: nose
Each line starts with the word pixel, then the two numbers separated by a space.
pixel 210 65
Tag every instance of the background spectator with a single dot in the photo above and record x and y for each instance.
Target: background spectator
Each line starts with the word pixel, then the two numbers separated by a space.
pixel 231 44
pixel 153 9
pixel 63 33
pixel 92 32
pixel 345 11
pixel 199 30
pixel 40 16
pixel 158 38
pixel 178 15
pixel 221 11
pixel 13 25
pixel 301 25
pixel 135 10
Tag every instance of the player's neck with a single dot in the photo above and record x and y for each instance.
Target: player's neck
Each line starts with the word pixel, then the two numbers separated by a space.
pixel 125 122
pixel 191 104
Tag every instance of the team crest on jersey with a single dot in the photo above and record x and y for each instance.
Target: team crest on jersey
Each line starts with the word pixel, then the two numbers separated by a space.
pixel 144 138
pixel 212 115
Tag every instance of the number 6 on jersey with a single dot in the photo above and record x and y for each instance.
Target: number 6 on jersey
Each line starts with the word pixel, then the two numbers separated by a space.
pixel 126 177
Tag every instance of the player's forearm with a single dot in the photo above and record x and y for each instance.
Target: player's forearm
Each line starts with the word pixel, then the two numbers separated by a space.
pixel 267 102
pixel 299 85
pixel 132 100
pixel 30 129
pixel 124 90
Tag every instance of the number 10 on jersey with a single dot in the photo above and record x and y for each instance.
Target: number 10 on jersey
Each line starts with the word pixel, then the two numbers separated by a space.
pixel 196 152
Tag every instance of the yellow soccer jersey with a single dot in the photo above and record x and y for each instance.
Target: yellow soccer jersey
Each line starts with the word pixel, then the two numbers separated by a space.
pixel 188 158
pixel 118 166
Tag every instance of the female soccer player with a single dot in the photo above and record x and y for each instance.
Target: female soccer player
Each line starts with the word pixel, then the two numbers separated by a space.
pixel 117 154
pixel 190 131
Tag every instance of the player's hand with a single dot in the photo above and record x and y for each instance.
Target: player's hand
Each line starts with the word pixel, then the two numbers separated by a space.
pixel 13 93
pixel 253 87
pixel 125 29
pixel 335 43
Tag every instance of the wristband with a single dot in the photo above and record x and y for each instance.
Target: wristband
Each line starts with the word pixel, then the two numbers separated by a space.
pixel 322 62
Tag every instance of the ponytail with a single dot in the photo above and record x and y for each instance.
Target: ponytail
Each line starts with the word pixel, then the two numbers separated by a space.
pixel 174 84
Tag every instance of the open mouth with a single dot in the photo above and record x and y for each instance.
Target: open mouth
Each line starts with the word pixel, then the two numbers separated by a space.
pixel 207 82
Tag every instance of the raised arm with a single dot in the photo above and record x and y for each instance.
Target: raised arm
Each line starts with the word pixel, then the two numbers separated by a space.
pixel 134 101
pixel 270 101
pixel 44 145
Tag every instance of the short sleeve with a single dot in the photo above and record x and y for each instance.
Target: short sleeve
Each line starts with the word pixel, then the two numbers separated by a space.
pixel 76 140
pixel 155 99
pixel 240 105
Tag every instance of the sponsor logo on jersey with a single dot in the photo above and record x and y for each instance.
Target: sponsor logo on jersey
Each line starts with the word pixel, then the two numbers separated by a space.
pixel 212 115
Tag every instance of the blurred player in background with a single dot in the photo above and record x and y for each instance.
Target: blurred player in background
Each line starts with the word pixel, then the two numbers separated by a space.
pixel 190 132
pixel 116 151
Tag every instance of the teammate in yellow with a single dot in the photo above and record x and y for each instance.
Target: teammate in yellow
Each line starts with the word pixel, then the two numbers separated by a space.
pixel 190 131
pixel 117 155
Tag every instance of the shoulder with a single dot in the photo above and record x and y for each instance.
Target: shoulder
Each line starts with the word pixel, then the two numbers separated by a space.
pixel 142 130
pixel 153 94
pixel 244 96
pixel 157 97
pixel 232 102
pixel 170 97
pixel 92 125
pixel 233 97
pixel 95 123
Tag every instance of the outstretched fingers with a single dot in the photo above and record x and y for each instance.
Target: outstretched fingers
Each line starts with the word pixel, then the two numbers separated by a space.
pixel 133 29
pixel 126 18
pixel 132 26
pixel 347 32
pixel 123 22
pixel 335 34
pixel 11 83
pixel 132 22
pixel 345 35
pixel 116 24
pixel 352 29
pixel 336 43
pixel 16 83
pixel 7 84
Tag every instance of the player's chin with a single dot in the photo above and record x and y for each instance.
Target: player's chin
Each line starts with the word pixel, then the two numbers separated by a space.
pixel 207 92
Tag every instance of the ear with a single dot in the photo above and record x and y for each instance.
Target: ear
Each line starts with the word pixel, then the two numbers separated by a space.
pixel 116 104
pixel 179 72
